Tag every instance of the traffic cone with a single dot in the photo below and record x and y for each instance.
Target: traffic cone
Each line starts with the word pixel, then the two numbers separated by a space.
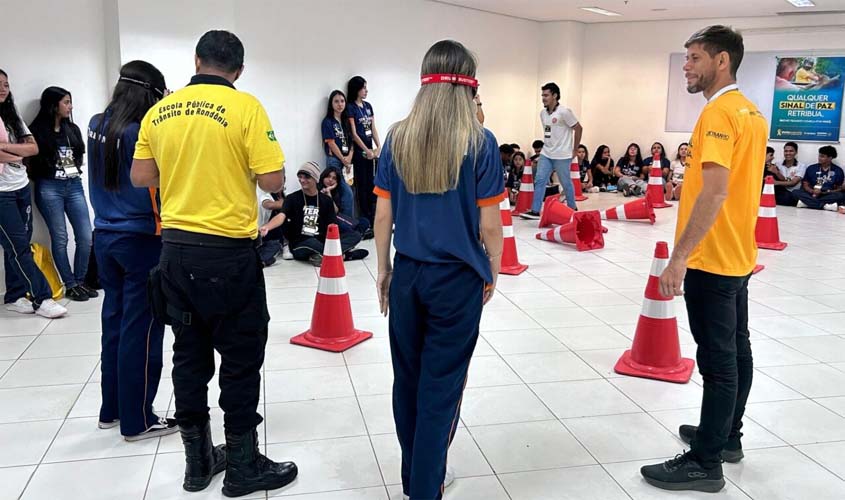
pixel 510 259
pixel 555 213
pixel 584 231
pixel 332 328
pixel 758 268
pixel 655 192
pixel 575 175
pixel 526 191
pixel 656 352
pixel 767 233
pixel 640 209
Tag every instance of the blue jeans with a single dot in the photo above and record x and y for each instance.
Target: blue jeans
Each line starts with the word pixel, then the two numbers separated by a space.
pixel 22 275
pixel 131 356
pixel 541 178
pixel 347 202
pixel 54 199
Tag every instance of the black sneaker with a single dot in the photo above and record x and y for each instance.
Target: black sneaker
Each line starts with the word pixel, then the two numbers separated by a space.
pixel 163 427
pixel 684 473
pixel 357 254
pixel 90 291
pixel 77 294
pixel 529 215
pixel 316 260
pixel 368 235
pixel 269 262
pixel 732 453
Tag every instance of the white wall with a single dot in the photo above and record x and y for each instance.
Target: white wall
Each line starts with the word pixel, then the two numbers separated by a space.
pixel 625 74
pixel 297 52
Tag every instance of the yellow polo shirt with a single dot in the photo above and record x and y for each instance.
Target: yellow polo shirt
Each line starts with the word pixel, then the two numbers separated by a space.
pixel 732 132
pixel 209 142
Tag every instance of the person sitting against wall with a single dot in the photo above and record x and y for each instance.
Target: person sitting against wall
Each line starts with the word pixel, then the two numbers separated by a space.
pixel 330 185
pixel 676 178
pixel 514 177
pixel 537 147
pixel 629 172
pixel 602 166
pixel 586 174
pixel 665 165
pixel 270 205
pixel 822 186
pixel 57 172
pixel 305 220
pixel 789 176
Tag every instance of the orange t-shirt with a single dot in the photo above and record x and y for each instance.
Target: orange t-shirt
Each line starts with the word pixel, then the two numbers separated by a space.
pixel 733 133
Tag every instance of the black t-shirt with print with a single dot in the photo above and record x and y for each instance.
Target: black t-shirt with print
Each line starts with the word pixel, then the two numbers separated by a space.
pixel 628 168
pixel 298 207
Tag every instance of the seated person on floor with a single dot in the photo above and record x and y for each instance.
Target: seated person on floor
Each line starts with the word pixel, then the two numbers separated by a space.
pixel 584 169
pixel 537 146
pixel 665 164
pixel 602 166
pixel 789 177
pixel 270 205
pixel 630 173
pixel 305 219
pixel 514 177
pixel 676 177
pixel 822 186
pixel 330 185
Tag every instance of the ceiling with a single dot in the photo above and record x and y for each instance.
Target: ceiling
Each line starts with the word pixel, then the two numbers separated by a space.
pixel 642 10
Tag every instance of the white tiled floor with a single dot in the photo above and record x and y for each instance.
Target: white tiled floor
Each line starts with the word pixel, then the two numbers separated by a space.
pixel 544 416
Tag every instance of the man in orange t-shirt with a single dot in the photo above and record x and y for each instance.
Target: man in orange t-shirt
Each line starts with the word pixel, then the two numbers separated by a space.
pixel 715 252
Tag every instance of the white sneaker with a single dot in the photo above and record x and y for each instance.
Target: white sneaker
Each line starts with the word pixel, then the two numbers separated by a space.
pixel 108 425
pixel 831 207
pixel 164 427
pixel 51 309
pixel 594 189
pixel 286 255
pixel 22 306
pixel 801 204
pixel 447 481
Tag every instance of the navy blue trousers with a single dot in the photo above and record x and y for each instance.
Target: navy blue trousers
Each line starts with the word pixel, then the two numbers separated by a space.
pixel 22 275
pixel 131 357
pixel 435 310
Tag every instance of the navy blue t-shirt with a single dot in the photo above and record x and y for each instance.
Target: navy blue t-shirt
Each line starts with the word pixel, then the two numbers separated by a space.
pixel 332 130
pixel 664 162
pixel 829 180
pixel 129 209
pixel 445 228
pixel 363 117
pixel 628 168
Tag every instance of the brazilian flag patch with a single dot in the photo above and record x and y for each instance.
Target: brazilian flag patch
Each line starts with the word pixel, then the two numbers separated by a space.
pixel 271 135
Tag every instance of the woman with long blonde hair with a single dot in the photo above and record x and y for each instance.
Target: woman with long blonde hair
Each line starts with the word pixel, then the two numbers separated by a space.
pixel 440 182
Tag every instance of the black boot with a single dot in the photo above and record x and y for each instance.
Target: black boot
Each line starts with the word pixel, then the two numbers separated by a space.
pixel 247 470
pixel 202 459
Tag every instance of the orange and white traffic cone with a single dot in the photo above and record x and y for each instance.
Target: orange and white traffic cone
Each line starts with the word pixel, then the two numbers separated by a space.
pixel 525 197
pixel 655 192
pixel 766 232
pixel 510 259
pixel 555 213
pixel 656 352
pixel 584 231
pixel 639 209
pixel 332 327
pixel 758 268
pixel 575 175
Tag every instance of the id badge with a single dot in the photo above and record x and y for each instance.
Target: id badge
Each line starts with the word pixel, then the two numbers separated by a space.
pixel 344 150
pixel 72 172
pixel 547 132
pixel 368 132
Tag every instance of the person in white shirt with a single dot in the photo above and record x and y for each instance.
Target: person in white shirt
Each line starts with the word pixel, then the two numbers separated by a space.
pixel 561 132
pixel 789 176
pixel 676 175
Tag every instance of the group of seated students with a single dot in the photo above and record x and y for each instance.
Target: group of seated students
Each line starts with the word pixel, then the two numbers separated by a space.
pixel 629 175
pixel 818 186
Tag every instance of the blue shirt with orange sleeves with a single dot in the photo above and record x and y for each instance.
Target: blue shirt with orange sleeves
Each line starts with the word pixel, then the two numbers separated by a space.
pixel 445 228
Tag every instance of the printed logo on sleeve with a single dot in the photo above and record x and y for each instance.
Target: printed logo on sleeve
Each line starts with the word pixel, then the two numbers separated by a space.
pixel 271 135
pixel 718 135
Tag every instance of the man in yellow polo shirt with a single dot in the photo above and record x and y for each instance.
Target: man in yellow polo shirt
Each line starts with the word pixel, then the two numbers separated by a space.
pixel 206 146
pixel 715 252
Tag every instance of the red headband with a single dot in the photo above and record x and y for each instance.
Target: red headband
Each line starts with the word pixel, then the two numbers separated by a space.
pixel 449 78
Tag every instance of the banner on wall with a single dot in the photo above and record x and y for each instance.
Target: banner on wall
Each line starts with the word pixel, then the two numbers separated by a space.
pixel 807 99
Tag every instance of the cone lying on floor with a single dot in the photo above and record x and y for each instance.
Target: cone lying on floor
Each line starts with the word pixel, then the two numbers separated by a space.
pixel 510 258
pixel 575 175
pixel 655 192
pixel 656 352
pixel 584 231
pixel 639 209
pixel 767 233
pixel 758 268
pixel 332 328
pixel 557 213
pixel 525 197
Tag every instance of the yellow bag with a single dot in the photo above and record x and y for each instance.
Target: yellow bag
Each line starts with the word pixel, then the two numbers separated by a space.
pixel 44 260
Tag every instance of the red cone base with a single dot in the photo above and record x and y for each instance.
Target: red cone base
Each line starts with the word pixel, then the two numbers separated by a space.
pixel 757 269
